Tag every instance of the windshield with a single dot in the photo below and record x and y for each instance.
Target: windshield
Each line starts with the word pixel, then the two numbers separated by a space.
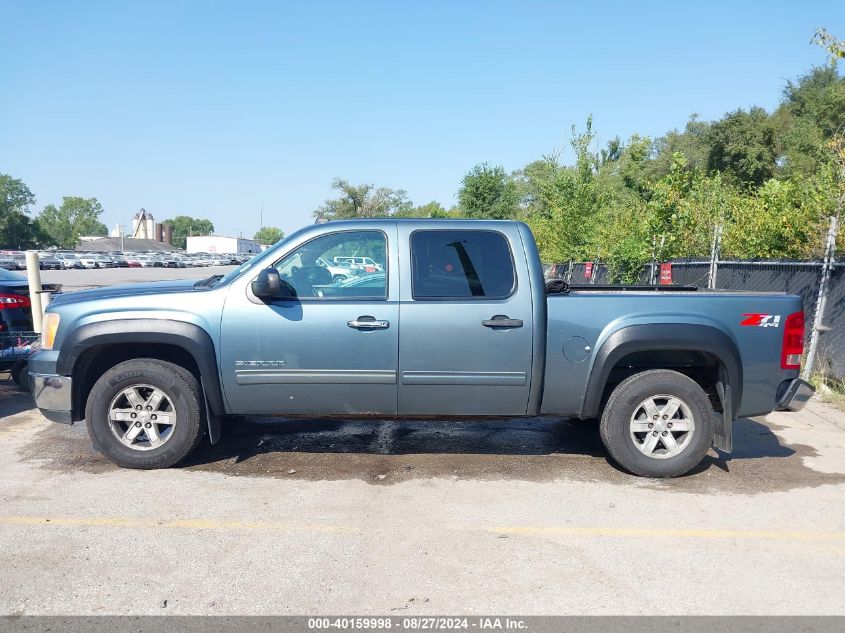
pixel 257 260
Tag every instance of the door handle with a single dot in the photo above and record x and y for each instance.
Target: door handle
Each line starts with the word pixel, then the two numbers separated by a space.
pixel 502 320
pixel 367 322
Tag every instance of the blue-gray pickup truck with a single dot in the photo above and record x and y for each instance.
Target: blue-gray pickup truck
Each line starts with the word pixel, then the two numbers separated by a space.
pixel 453 320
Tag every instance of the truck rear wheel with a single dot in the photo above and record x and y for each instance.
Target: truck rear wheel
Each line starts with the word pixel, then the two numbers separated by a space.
pixel 658 423
pixel 145 413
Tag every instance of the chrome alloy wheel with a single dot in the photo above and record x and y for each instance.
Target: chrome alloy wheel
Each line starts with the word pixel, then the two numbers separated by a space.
pixel 142 417
pixel 662 426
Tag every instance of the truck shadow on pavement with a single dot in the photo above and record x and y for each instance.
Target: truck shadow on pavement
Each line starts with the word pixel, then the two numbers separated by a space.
pixel 384 452
pixel 537 449
pixel 13 400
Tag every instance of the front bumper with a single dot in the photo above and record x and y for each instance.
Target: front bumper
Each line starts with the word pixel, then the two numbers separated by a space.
pixel 53 396
pixel 794 394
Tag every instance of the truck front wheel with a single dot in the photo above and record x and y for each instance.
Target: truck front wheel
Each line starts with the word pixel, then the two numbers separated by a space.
pixel 145 413
pixel 658 423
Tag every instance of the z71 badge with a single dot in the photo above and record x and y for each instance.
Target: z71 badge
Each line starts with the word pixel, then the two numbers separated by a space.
pixel 761 320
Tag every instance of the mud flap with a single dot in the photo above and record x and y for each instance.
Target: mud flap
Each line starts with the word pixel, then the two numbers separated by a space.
pixel 723 437
pixel 215 424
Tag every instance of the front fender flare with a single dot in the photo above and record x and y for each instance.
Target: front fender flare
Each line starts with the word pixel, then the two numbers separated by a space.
pixel 188 336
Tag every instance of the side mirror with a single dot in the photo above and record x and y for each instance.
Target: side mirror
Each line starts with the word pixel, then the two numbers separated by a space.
pixel 268 284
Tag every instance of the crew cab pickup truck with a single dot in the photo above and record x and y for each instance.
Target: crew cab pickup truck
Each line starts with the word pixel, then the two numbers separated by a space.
pixel 458 323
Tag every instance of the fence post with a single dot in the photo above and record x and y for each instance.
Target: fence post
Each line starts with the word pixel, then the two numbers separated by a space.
pixel 715 246
pixel 821 300
pixel 651 270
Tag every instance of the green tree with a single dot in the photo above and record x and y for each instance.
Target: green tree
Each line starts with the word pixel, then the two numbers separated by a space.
pixel 743 147
pixel 565 203
pixel 268 235
pixel 488 192
pixel 834 47
pixel 431 210
pixel 185 226
pixel 17 230
pixel 693 143
pixel 363 201
pixel 76 216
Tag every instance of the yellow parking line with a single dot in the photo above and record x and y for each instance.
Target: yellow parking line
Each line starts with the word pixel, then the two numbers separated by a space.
pixel 787 535
pixel 190 524
pixel 525 530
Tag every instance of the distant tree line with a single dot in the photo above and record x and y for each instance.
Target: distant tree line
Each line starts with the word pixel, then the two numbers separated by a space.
pixel 54 226
pixel 770 180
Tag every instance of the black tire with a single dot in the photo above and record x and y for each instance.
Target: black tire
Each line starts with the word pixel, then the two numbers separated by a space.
pixel 181 388
pixel 615 426
pixel 19 375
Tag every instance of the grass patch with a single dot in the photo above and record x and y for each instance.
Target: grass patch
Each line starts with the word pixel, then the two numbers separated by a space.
pixel 831 390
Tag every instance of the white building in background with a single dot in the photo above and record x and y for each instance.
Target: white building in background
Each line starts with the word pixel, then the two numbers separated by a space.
pixel 221 244
pixel 143 225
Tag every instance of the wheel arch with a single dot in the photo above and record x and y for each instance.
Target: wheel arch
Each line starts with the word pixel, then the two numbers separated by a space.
pixel 661 340
pixel 91 347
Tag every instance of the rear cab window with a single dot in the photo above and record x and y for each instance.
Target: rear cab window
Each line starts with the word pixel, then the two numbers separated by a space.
pixel 461 264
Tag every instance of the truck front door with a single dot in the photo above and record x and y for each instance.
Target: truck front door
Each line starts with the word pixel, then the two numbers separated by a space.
pixel 332 349
pixel 467 324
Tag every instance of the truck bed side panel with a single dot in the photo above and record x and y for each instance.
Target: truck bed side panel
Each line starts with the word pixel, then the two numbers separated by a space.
pixel 586 320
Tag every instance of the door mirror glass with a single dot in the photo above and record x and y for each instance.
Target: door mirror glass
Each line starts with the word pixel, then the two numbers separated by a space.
pixel 268 284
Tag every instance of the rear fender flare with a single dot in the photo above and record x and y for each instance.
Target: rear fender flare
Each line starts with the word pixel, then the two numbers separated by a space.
pixel 669 336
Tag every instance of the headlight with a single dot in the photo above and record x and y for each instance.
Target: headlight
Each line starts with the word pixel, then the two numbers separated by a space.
pixel 48 329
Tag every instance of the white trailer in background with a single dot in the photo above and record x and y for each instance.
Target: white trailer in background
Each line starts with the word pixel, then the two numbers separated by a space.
pixel 221 244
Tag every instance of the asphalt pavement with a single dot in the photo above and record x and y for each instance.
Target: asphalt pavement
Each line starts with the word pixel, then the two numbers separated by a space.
pixel 333 516
pixel 385 517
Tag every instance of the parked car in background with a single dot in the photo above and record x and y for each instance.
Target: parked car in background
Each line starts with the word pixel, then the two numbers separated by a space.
pixel 223 260
pixel 7 263
pixel 20 259
pixel 200 260
pixel 338 273
pixel 171 261
pixel 149 261
pixel 104 260
pixel 15 306
pixel 88 261
pixel 364 263
pixel 68 260
pixel 48 261
pixel 132 260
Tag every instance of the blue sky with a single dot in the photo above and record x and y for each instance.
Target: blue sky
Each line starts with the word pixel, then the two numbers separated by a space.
pixel 213 109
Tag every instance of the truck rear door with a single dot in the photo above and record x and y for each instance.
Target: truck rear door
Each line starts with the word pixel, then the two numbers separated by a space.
pixel 465 343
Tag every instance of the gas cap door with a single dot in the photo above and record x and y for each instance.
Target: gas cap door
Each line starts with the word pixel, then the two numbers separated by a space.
pixel 576 349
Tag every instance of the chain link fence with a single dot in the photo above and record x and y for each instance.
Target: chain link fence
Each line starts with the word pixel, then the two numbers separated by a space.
pixel 825 350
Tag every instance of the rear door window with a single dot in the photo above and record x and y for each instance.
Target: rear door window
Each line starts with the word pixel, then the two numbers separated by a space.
pixel 461 264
